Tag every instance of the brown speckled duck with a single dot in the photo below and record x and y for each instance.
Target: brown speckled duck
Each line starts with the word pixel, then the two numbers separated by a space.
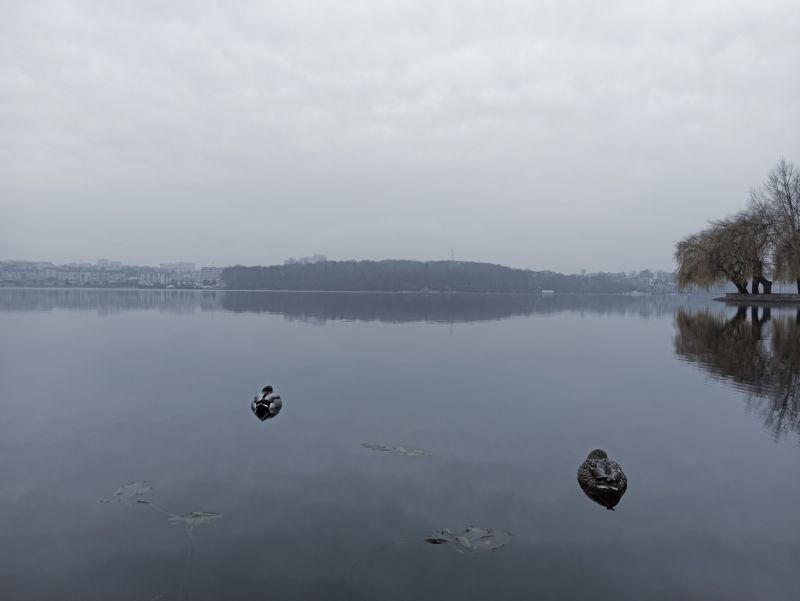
pixel 602 479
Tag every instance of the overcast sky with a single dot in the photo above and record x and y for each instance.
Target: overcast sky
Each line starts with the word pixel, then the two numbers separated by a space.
pixel 550 135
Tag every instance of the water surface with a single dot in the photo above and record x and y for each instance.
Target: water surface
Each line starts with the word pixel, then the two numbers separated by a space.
pixel 505 394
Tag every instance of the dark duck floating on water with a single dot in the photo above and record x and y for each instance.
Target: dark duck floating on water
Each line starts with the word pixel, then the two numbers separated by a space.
pixel 267 404
pixel 602 479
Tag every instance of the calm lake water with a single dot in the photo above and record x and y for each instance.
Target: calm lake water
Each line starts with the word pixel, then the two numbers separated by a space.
pixel 508 394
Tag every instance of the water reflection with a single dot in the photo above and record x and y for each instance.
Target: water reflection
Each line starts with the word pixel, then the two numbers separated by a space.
pixel 320 307
pixel 311 514
pixel 757 350
pixel 108 301
pixel 439 308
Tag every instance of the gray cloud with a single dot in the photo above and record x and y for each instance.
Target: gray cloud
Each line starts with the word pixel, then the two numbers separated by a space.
pixel 555 135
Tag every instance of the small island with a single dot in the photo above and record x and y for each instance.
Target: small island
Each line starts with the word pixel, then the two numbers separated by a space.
pixel 734 298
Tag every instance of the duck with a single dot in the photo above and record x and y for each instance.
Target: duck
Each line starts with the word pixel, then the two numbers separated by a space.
pixel 267 405
pixel 602 479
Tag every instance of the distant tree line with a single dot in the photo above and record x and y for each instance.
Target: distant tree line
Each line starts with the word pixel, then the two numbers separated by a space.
pixel 758 243
pixel 416 276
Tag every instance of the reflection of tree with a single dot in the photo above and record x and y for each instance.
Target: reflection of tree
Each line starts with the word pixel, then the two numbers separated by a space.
pixel 442 308
pixel 759 355
pixel 320 307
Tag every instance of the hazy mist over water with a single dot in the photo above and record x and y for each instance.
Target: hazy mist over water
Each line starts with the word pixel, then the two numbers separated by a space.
pixel 507 394
pixel 544 135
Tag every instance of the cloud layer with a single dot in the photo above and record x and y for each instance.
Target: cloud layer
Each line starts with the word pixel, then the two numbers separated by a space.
pixel 560 135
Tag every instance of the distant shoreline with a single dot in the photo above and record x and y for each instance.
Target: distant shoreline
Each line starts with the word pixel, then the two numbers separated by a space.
pixel 414 292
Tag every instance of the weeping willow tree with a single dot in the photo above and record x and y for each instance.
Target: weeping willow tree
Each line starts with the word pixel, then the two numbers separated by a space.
pixel 747 239
pixel 761 240
pixel 693 255
pixel 710 258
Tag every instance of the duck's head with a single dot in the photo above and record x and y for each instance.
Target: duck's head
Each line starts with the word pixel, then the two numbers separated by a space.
pixel 598 454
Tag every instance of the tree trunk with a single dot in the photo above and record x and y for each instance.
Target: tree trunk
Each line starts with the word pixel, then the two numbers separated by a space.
pixel 742 286
pixel 798 285
pixel 759 279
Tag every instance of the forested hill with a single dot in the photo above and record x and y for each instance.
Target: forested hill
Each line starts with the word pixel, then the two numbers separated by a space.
pixel 415 276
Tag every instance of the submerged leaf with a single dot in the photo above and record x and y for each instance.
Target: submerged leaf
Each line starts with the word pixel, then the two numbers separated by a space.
pixel 373 446
pixel 193 518
pixel 445 536
pixel 411 452
pixel 130 493
pixel 437 540
pixel 385 448
pixel 472 540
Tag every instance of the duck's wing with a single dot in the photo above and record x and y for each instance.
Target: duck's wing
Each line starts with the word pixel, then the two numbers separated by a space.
pixel 609 473
pixel 585 476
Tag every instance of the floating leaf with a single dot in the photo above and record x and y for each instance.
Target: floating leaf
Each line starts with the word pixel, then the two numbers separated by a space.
pixel 472 540
pixel 130 493
pixel 385 448
pixel 134 492
pixel 193 518
pixel 437 540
